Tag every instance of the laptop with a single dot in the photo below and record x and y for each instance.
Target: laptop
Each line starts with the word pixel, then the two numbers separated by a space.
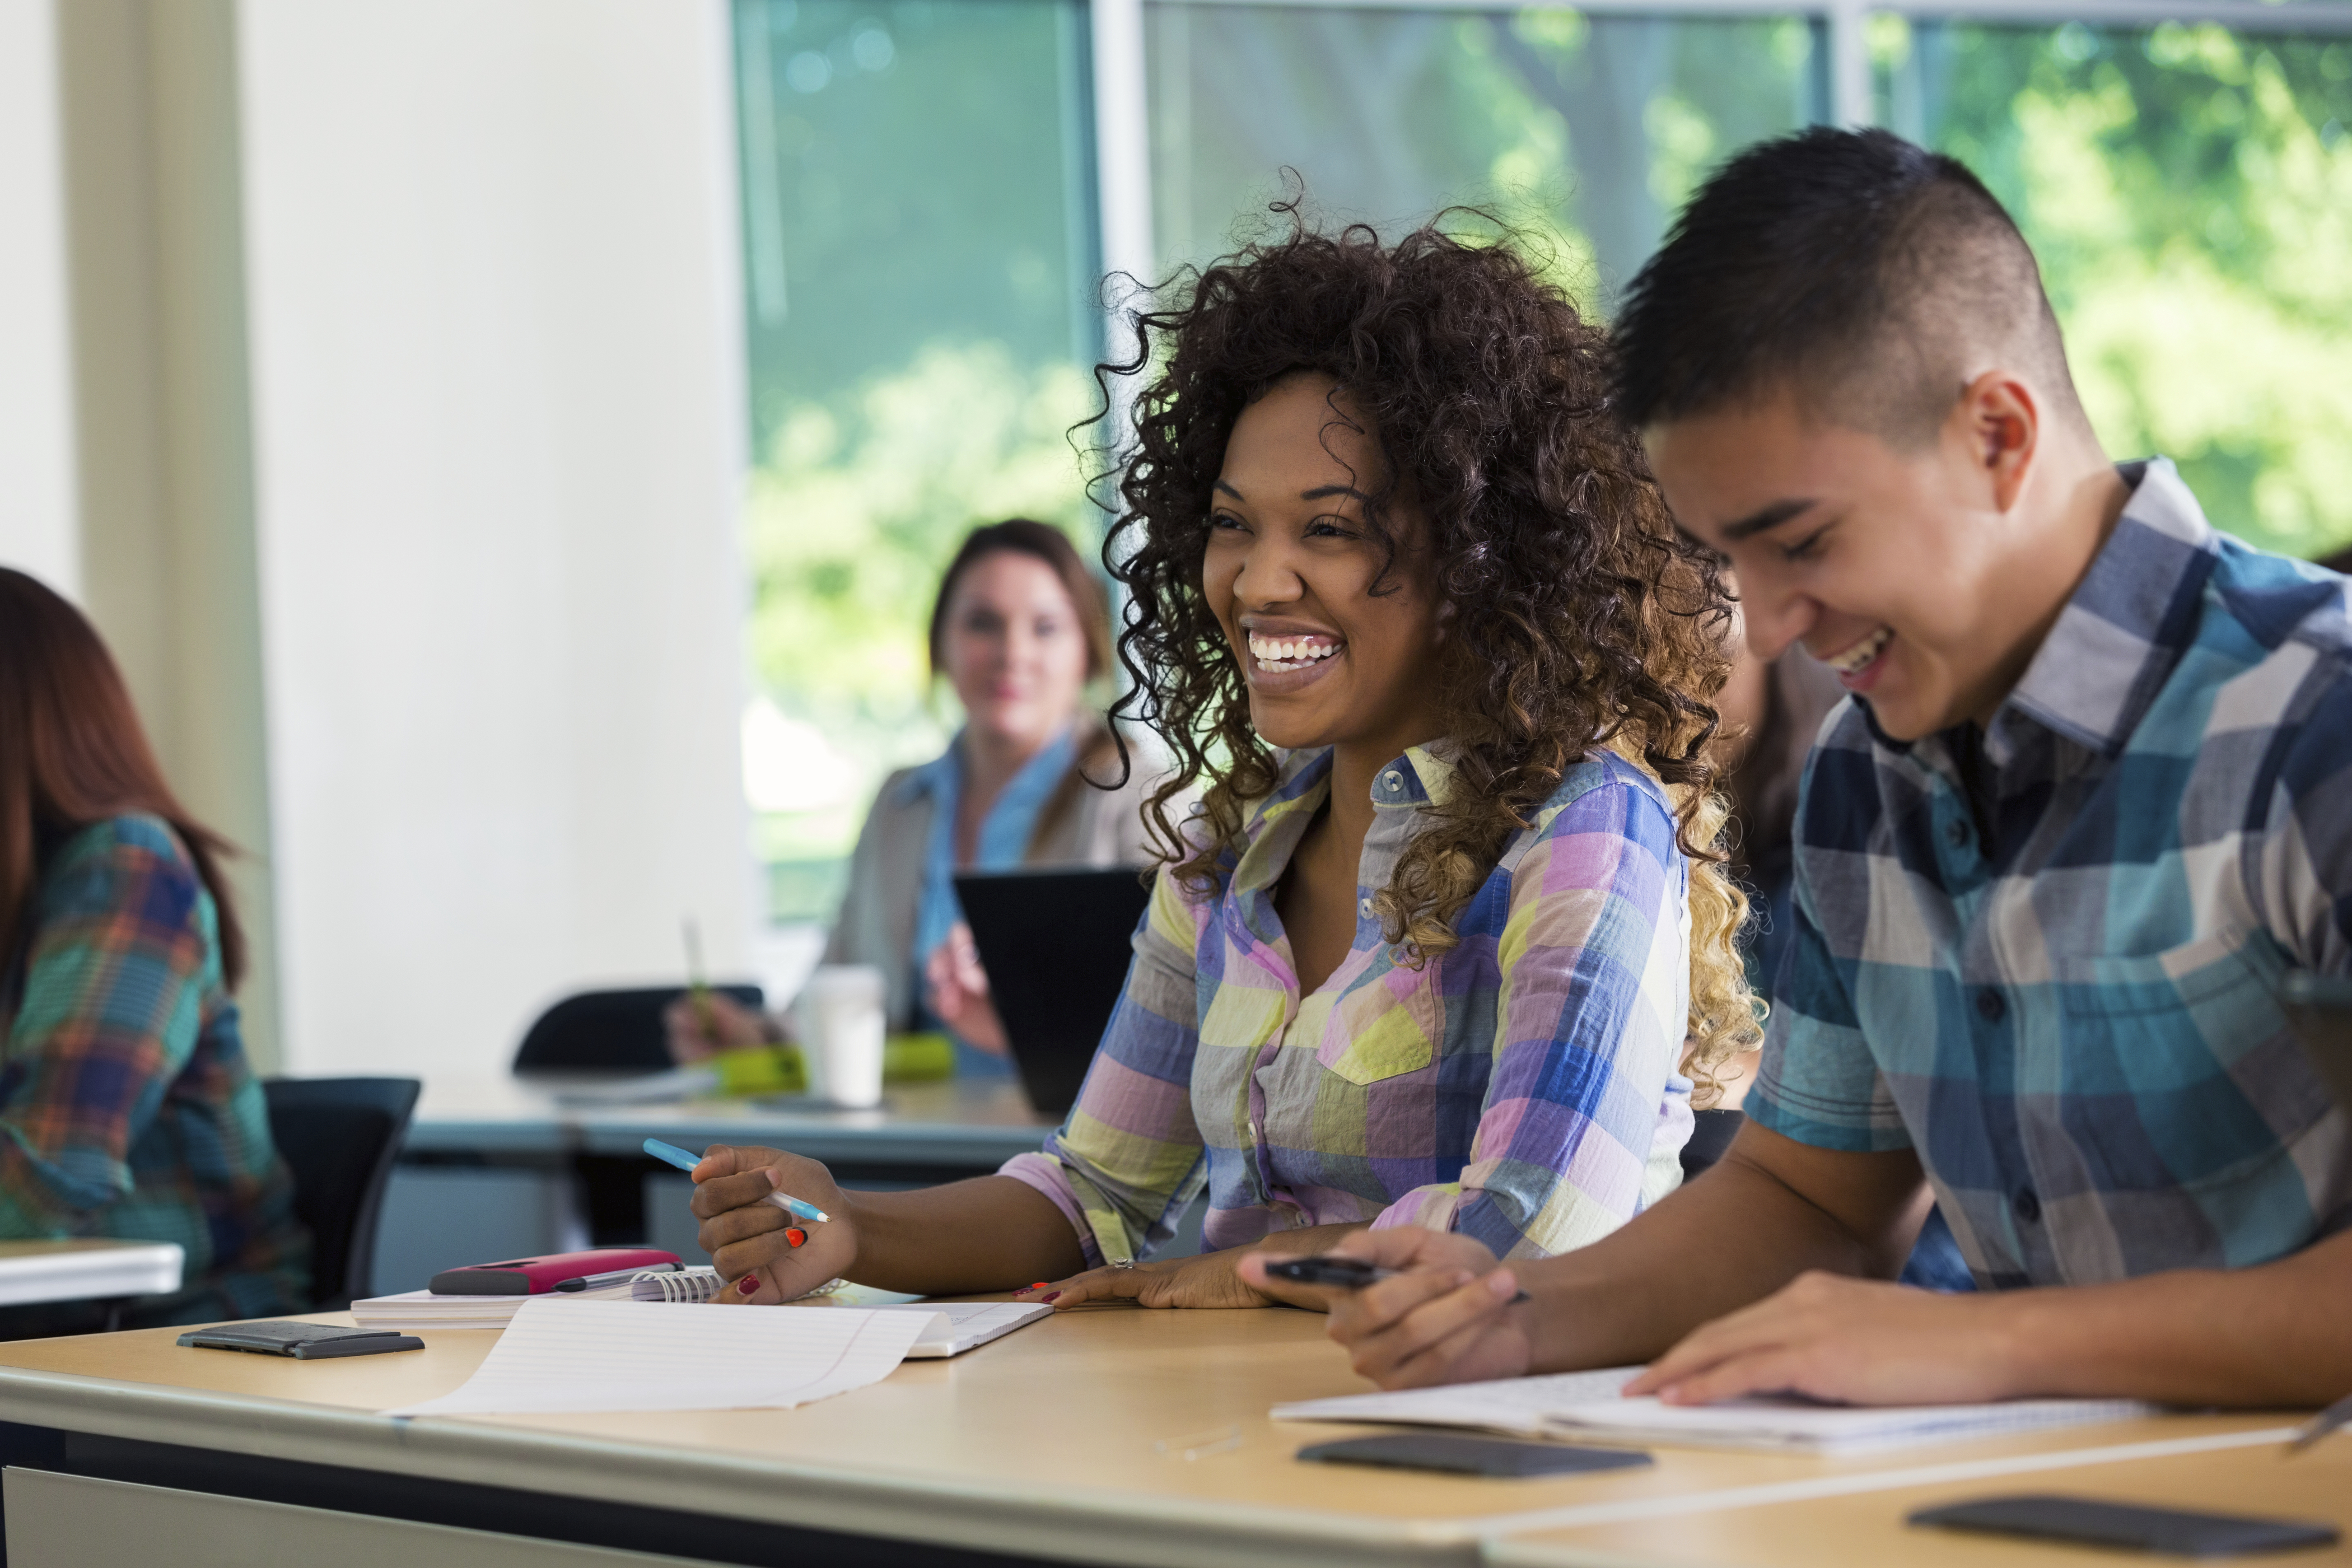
pixel 1055 945
pixel 2319 1009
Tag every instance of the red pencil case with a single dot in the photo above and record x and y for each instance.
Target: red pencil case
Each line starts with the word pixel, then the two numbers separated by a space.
pixel 537 1276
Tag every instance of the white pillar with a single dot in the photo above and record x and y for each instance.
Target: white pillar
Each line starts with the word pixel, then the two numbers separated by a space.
pixel 38 529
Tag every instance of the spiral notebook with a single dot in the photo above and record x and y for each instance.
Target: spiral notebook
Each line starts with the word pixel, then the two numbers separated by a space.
pixel 1587 1406
pixel 959 1326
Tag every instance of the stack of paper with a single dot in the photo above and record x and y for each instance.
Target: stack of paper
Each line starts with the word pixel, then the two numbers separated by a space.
pixel 1588 1407
pixel 567 1357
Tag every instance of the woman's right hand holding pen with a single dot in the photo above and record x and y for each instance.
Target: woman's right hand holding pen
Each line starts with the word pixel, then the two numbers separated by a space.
pixel 752 1242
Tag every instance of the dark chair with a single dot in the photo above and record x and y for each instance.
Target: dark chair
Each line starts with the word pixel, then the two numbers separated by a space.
pixel 1709 1138
pixel 340 1136
pixel 610 1031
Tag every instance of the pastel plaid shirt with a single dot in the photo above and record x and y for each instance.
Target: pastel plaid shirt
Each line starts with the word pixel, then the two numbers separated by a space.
pixel 2056 986
pixel 1521 1088
pixel 127 1108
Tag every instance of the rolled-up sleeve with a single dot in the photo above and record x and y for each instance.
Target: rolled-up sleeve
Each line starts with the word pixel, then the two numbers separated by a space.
pixel 1128 1159
pixel 1584 1103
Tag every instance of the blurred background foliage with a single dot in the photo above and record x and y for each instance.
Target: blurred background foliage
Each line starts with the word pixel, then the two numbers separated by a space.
pixel 2189 195
pixel 919 230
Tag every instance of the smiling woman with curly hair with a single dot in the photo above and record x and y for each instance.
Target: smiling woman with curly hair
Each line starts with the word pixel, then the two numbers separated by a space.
pixel 1448 927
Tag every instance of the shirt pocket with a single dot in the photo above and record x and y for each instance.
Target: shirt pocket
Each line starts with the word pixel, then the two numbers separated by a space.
pixel 1375 1034
pixel 2177 1067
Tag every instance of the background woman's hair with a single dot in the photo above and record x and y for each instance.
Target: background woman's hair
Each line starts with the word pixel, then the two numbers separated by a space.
pixel 1580 617
pixel 72 754
pixel 1045 542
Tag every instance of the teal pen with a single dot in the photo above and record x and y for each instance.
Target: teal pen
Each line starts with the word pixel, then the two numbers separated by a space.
pixel 685 1161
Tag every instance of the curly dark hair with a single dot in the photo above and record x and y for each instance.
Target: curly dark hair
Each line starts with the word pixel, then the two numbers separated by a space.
pixel 1580 617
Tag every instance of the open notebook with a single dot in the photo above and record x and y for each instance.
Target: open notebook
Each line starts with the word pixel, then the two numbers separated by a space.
pixel 951 1328
pixel 1588 1407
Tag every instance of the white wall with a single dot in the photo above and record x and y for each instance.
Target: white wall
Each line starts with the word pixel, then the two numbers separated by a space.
pixel 37 528
pixel 498 407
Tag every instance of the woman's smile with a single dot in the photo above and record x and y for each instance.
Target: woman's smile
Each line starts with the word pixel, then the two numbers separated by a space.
pixel 1285 656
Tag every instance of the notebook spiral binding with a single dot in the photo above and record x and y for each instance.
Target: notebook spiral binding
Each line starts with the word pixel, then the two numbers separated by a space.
pixel 683 1285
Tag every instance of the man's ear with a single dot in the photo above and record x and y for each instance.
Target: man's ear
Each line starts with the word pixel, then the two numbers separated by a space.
pixel 2002 420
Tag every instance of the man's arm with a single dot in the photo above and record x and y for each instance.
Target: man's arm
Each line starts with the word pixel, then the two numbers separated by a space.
pixel 1773 1209
pixel 2273 1335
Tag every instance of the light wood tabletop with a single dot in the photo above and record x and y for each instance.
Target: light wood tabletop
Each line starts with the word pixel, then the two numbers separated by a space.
pixel 1867 1526
pixel 1106 1434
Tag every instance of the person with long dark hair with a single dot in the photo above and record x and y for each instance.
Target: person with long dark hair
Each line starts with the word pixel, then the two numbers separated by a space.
pixel 126 1105
pixel 1446 943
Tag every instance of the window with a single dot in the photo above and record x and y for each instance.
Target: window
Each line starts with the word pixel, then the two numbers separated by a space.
pixel 922 218
pixel 919 258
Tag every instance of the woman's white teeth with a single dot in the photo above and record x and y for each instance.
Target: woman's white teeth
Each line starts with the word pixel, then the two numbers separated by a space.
pixel 1860 653
pixel 1290 652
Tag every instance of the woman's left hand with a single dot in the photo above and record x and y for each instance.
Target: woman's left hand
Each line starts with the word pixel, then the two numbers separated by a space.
pixel 957 992
pixel 1208 1280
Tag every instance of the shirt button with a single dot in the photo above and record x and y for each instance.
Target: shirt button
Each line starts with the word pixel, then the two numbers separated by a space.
pixel 1955 834
pixel 2025 1205
pixel 1252 1131
pixel 1989 1006
pixel 1365 905
pixel 1394 779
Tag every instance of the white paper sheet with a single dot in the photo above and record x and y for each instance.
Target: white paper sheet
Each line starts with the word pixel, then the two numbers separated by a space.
pixel 570 1356
pixel 1586 1405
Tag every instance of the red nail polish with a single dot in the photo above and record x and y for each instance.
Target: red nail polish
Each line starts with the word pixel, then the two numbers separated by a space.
pixel 1051 1296
pixel 748 1284
pixel 797 1236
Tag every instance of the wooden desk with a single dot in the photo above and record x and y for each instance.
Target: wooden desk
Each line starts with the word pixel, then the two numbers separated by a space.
pixel 1863 1524
pixel 1066 1440
pixel 95 1269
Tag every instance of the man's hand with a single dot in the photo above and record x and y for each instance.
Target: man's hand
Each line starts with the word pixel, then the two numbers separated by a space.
pixel 750 1240
pixel 1448 1318
pixel 1856 1341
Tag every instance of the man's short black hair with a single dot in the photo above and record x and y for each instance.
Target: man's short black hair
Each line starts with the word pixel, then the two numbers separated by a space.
pixel 1873 278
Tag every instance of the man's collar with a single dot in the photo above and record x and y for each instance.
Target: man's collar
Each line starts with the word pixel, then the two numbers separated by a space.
pixel 2117 641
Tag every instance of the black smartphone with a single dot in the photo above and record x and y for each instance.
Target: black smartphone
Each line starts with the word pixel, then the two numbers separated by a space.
pixel 1472 1456
pixel 304 1341
pixel 2087 1521
pixel 1344 1273
pixel 1339 1273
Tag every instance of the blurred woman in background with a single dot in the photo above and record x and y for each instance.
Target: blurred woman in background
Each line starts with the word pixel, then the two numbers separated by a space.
pixel 1018 631
pixel 127 1106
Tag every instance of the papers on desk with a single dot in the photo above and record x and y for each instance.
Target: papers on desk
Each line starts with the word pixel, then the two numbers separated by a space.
pixel 652 1088
pixel 1587 1407
pixel 564 1357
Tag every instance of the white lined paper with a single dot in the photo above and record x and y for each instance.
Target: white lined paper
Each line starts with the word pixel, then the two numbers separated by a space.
pixel 578 1357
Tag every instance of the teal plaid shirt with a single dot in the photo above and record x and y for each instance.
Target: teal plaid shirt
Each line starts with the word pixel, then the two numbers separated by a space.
pixel 127 1107
pixel 2046 963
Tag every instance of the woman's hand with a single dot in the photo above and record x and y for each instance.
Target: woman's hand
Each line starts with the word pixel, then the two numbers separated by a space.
pixel 958 991
pixel 700 1027
pixel 1448 1318
pixel 1208 1280
pixel 750 1240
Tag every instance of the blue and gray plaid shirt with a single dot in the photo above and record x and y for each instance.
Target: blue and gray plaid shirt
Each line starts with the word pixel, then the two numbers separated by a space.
pixel 2044 961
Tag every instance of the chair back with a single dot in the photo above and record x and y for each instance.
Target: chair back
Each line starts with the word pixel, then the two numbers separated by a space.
pixel 610 1031
pixel 340 1136
pixel 1709 1140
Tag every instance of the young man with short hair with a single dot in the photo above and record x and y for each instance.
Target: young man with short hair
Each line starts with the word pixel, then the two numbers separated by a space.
pixel 2088 803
